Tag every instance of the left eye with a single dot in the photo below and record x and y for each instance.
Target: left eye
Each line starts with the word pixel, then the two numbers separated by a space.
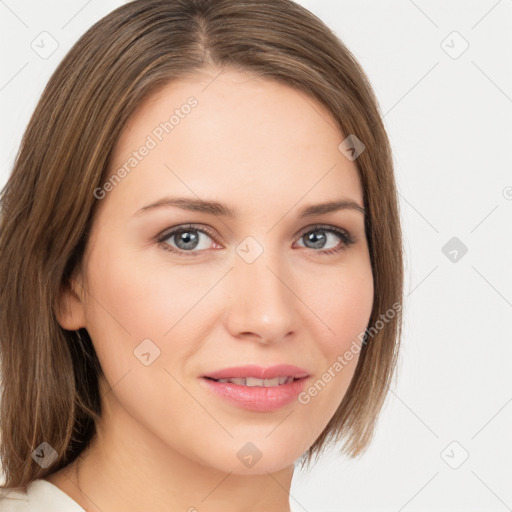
pixel 188 238
pixel 318 242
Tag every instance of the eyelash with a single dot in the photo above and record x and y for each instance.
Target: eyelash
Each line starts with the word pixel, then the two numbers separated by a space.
pixel 346 238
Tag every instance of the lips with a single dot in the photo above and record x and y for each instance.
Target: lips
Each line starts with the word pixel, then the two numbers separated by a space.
pixel 256 388
pixel 258 372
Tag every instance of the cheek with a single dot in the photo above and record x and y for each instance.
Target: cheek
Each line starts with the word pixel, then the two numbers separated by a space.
pixel 343 304
pixel 137 308
pixel 344 309
pixel 134 298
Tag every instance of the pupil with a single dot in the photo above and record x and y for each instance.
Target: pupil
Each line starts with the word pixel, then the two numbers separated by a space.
pixel 318 241
pixel 186 238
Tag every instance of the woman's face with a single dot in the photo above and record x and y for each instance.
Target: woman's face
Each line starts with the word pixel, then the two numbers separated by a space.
pixel 165 310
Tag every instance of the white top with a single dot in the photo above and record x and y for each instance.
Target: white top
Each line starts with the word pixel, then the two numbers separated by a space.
pixel 41 496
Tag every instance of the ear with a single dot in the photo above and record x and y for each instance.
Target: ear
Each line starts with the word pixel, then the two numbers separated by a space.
pixel 70 307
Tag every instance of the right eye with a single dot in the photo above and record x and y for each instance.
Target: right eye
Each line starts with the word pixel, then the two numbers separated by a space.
pixel 182 240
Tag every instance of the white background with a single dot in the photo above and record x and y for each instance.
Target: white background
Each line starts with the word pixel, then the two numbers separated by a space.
pixel 449 121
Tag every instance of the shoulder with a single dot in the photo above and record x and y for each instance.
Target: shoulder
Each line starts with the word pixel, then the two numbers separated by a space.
pixel 41 496
pixel 13 500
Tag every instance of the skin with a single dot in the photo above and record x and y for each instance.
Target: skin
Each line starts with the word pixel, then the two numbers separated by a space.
pixel 165 442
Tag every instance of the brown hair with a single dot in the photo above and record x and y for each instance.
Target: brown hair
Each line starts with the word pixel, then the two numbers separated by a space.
pixel 50 375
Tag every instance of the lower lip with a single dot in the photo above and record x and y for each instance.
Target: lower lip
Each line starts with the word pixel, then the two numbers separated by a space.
pixel 255 398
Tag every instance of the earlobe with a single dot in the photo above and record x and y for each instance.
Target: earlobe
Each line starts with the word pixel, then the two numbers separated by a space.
pixel 69 308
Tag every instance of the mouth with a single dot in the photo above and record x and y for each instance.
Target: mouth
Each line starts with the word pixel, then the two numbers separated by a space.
pixel 258 389
pixel 252 375
pixel 254 382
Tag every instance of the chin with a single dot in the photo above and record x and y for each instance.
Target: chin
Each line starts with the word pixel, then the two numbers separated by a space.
pixel 252 455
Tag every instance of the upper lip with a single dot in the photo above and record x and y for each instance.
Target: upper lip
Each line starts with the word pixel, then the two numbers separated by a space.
pixel 259 372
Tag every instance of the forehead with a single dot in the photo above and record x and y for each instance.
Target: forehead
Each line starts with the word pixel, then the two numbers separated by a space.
pixel 236 137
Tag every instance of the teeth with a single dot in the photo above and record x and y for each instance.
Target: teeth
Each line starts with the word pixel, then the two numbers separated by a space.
pixel 264 383
pixel 239 381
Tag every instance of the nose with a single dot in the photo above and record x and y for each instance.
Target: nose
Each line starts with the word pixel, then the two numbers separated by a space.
pixel 263 303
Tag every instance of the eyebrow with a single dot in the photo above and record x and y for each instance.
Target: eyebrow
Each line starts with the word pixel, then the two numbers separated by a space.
pixel 222 210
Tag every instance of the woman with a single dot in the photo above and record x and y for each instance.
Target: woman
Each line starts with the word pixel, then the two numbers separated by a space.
pixel 201 263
